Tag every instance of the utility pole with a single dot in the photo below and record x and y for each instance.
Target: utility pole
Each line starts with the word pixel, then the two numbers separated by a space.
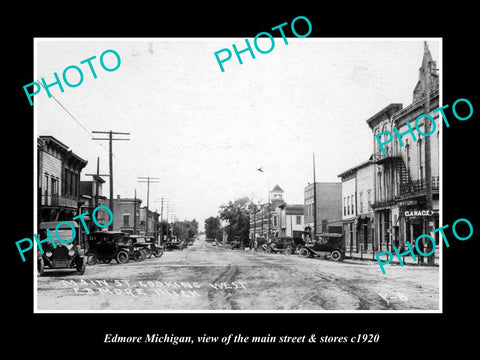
pixel 96 177
pixel 135 213
pixel 314 201
pixel 162 200
pixel 110 162
pixel 149 180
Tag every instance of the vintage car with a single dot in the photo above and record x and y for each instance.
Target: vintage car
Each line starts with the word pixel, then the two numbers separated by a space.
pixel 260 243
pixel 330 245
pixel 147 245
pixel 284 244
pixel 63 255
pixel 108 245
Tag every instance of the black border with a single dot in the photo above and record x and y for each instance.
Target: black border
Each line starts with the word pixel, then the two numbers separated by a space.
pixel 411 333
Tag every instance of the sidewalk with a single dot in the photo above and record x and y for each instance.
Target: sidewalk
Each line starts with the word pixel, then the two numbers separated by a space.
pixel 366 255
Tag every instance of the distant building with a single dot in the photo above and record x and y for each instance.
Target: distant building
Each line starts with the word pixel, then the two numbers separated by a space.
pixel 329 207
pixel 126 215
pixel 92 199
pixel 58 173
pixel 148 222
pixel 290 220
pixel 357 212
pixel 270 219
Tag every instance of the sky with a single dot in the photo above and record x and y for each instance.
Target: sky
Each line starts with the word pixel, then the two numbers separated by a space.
pixel 203 132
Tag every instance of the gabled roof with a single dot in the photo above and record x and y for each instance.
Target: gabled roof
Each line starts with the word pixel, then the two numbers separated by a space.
pixel 277 189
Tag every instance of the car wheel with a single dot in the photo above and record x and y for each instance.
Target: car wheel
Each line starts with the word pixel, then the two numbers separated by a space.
pixel 304 252
pixel 336 255
pixel 91 259
pixel 139 255
pixel 269 250
pixel 288 250
pixel 122 257
pixel 148 253
pixel 81 266
pixel 40 267
pixel 158 253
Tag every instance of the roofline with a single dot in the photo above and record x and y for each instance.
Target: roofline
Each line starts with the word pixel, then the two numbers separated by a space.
pixel 359 166
pixel 387 110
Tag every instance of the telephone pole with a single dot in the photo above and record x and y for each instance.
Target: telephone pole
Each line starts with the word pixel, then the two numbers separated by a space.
pixel 149 180
pixel 110 162
pixel 314 233
pixel 135 213
pixel 96 177
pixel 162 199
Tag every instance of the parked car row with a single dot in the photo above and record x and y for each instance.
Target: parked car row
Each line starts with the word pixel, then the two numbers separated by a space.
pixel 101 246
pixel 326 245
pixel 108 245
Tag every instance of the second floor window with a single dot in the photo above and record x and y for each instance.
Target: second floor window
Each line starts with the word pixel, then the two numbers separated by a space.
pixel 126 220
pixel 299 220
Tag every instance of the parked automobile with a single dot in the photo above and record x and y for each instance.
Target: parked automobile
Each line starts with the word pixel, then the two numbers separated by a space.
pixel 68 255
pixel 260 243
pixel 284 244
pixel 147 245
pixel 236 244
pixel 108 245
pixel 174 244
pixel 330 245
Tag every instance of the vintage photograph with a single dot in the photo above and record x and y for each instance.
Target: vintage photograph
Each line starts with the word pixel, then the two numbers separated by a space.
pixel 169 178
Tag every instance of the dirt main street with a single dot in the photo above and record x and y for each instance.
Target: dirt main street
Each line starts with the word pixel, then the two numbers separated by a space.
pixel 207 277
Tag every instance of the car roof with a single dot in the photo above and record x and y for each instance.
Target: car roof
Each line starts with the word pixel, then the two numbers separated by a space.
pixel 330 234
pixel 53 224
pixel 108 232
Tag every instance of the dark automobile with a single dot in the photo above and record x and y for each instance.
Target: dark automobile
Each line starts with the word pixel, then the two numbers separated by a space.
pixel 260 243
pixel 147 245
pixel 235 244
pixel 68 255
pixel 326 244
pixel 284 244
pixel 174 244
pixel 108 245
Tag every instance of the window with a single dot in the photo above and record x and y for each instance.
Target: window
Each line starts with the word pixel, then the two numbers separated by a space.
pixel 353 205
pixel 344 206
pixel 299 220
pixel 369 200
pixel 126 220
pixel 275 221
pixel 324 225
pixel 361 201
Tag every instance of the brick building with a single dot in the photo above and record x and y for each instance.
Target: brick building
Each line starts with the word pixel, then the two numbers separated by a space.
pixel 328 205
pixel 399 179
pixel 126 214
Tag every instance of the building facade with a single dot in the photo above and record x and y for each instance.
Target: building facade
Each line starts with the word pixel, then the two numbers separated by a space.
pixel 290 220
pixel 266 219
pixel 126 215
pixel 357 212
pixel 58 183
pixel 328 207
pixel 399 180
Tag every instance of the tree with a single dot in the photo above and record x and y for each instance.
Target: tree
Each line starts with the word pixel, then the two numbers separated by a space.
pixel 237 216
pixel 213 229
